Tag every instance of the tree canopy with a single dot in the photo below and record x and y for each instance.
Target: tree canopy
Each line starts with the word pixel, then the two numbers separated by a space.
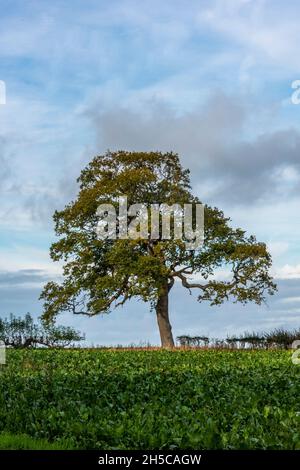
pixel 100 274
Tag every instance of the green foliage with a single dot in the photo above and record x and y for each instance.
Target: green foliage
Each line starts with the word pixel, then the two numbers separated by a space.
pixel 153 399
pixel 20 332
pixel 101 274
pixel 24 442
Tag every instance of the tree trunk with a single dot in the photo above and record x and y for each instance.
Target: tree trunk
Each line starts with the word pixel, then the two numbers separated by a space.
pixel 162 314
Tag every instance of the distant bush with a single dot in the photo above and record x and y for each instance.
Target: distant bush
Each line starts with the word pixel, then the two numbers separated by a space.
pixel 18 332
pixel 278 338
pixel 248 340
pixel 193 340
pixel 282 338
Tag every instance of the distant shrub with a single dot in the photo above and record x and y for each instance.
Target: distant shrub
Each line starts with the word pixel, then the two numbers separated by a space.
pixel 18 332
pixel 185 340
pixel 281 338
pixel 278 338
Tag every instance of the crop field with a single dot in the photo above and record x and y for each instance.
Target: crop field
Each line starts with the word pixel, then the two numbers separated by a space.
pixel 135 399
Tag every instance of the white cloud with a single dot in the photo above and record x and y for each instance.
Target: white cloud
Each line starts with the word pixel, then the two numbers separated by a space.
pixel 265 29
pixel 22 257
pixel 287 272
pixel 288 300
pixel 277 248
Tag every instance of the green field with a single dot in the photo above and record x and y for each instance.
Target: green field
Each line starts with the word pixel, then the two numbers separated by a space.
pixel 106 399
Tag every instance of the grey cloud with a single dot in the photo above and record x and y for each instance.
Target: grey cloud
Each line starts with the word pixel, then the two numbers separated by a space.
pixel 197 135
pixel 20 291
pixel 251 170
pixel 210 141
pixel 23 300
pixel 225 168
pixel 12 279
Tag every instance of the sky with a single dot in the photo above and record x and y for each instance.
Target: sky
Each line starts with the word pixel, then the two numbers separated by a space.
pixel 211 80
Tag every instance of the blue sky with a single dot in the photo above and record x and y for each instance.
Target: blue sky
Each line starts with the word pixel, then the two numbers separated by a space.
pixel 210 80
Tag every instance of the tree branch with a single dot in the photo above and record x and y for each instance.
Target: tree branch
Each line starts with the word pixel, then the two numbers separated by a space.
pixel 187 284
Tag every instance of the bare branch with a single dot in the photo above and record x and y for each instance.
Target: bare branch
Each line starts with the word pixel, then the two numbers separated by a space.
pixel 187 284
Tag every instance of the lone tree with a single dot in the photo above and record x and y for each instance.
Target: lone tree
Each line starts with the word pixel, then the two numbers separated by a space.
pixel 102 274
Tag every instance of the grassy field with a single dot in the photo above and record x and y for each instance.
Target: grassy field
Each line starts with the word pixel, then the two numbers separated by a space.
pixel 114 399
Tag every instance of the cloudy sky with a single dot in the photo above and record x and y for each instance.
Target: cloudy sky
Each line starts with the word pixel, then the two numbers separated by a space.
pixel 211 80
